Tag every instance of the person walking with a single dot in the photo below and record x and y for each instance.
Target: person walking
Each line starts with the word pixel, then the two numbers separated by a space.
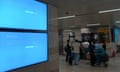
pixel 76 46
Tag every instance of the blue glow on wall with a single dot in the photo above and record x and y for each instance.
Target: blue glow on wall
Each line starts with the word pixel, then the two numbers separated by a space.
pixel 116 35
pixel 21 49
pixel 23 14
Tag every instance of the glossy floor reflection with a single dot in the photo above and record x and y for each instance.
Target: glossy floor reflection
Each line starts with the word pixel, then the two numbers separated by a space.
pixel 113 66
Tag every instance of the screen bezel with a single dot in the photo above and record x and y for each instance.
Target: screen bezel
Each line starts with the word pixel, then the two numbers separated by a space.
pixel 30 31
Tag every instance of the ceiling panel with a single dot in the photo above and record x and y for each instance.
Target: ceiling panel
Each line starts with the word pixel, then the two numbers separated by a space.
pixel 72 7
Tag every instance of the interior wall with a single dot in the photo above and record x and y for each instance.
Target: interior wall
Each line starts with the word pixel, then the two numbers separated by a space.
pixel 53 63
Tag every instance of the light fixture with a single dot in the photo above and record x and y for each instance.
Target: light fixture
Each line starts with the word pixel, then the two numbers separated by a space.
pixel 106 11
pixel 72 26
pixel 65 17
pixel 72 16
pixel 92 25
pixel 68 30
pixel 117 22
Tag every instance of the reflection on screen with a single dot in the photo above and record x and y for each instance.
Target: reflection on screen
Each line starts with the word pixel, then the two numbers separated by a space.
pixel 23 14
pixel 21 49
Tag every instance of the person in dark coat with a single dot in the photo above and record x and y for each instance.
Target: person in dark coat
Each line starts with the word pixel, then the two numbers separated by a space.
pixel 67 50
pixel 92 54
pixel 104 46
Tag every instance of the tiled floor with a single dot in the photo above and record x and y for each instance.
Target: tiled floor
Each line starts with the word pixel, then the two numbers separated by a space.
pixel 114 66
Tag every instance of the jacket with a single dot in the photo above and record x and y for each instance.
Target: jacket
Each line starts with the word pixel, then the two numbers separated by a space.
pixel 100 52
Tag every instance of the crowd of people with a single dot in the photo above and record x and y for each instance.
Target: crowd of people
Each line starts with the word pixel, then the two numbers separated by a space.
pixel 95 52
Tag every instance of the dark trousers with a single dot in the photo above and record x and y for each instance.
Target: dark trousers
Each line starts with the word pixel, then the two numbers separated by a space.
pixel 92 59
pixel 67 57
pixel 68 54
pixel 98 59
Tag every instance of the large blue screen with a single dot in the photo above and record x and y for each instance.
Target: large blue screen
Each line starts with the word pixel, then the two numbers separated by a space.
pixel 21 49
pixel 23 14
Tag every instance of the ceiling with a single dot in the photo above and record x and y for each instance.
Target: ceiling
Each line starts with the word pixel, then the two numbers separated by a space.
pixel 77 7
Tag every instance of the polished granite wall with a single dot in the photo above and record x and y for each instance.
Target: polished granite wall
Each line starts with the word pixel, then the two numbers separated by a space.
pixel 53 63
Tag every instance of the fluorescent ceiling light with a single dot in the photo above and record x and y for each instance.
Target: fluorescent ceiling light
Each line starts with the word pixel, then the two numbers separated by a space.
pixel 117 21
pixel 65 17
pixel 93 24
pixel 105 11
pixel 67 30
pixel 72 26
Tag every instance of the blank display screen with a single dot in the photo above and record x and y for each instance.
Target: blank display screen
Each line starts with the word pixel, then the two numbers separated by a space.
pixel 21 49
pixel 23 14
